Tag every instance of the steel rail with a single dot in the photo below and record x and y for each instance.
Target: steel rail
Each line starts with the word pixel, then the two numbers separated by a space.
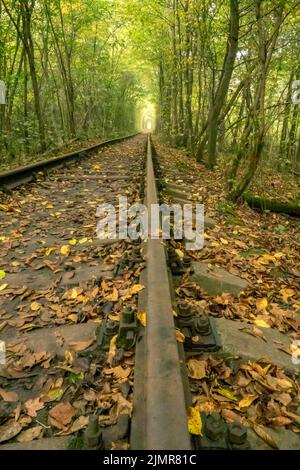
pixel 13 178
pixel 160 412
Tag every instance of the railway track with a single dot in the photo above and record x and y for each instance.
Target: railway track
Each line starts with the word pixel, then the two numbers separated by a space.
pixel 60 282
pixel 96 327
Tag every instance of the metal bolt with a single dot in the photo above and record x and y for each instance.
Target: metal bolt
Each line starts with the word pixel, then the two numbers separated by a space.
pixel 237 433
pixel 214 427
pixel 187 261
pixel 202 326
pixel 185 310
pixel 111 328
pixel 93 435
pixel 128 315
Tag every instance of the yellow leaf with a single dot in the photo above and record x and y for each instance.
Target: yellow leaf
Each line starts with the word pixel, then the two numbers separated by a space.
pixel 137 288
pixel 266 259
pixel 247 401
pixel 65 250
pixel 285 293
pixel 97 167
pixel 73 242
pixel 35 306
pixel 142 317
pixel 224 241
pixel 49 251
pixel 180 337
pixel 55 394
pixel 73 317
pixel 261 304
pixel 261 323
pixel 226 393
pixel 2 274
pixel 194 422
pixel 74 294
pixel 82 241
pixel 3 286
pixel 197 369
pixel 113 297
pixel 175 314
pixel 180 254
pixel 69 357
pixel 215 244
pixel 3 208
pixel 49 206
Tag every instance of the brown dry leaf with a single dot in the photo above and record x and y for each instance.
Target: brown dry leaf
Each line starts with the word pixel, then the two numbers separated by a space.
pixel 79 424
pixel 30 434
pixel 112 349
pixel 280 421
pixel 293 416
pixel 279 384
pixel 179 336
pixel 32 406
pixel 10 430
pixel 197 369
pixel 118 372
pixel 254 332
pixel 247 401
pixel 62 413
pixel 81 345
pixel 9 396
pixel 259 430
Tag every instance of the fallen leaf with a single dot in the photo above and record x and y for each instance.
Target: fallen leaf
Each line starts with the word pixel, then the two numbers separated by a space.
pixel 35 306
pixel 259 430
pixel 9 397
pixel 30 434
pixel 55 394
pixel 112 349
pixel 137 288
pixel 197 369
pixel 10 430
pixel 118 372
pixel 2 274
pixel 280 421
pixel 180 254
pixel 262 324
pixel 179 336
pixel 247 401
pixel 142 317
pixel 65 250
pixel 79 424
pixel 261 304
pixel 62 413
pixel 194 422
pixel 285 293
pixel 32 406
pixel 226 393
pixel 113 297
pixel 81 345
pixel 3 286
